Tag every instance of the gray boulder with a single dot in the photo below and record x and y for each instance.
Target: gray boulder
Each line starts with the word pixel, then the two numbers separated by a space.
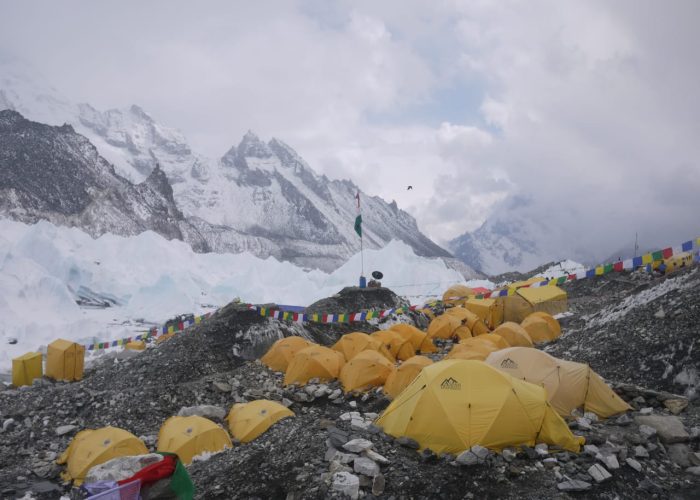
pixel 669 428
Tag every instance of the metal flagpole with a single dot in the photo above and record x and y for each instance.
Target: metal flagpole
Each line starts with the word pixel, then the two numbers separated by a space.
pixel 362 251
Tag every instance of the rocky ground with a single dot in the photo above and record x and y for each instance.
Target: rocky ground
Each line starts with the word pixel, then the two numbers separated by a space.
pixel 330 448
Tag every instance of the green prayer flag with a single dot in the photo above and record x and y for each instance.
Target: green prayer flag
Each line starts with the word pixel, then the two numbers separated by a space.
pixel 358 225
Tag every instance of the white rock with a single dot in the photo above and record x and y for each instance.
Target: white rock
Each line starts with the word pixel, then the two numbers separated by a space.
pixel 599 473
pixel 646 411
pixel 467 458
pixel 358 445
pixel 641 452
pixel 634 464
pixel 353 404
pixel 366 466
pixel 584 423
pixel 590 449
pixel 509 454
pixel 350 415
pixel 347 484
pixel 542 449
pixel 480 452
pixel 373 455
pixel 371 416
pixel 590 416
pixel 65 429
pixel 206 411
pixel 610 461
pixel 359 424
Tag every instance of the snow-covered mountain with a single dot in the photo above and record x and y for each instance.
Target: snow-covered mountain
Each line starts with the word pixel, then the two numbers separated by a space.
pixel 53 173
pixel 260 197
pixel 514 238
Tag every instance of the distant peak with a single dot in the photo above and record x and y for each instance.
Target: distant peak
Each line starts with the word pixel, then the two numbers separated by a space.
pixel 138 111
pixel 251 145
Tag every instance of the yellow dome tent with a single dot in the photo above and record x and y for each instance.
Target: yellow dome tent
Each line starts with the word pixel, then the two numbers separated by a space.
pixel 397 344
pixel 466 353
pixel 462 333
pixel 94 447
pixel 367 369
pixel 494 339
pixel 418 338
pixel 514 334
pixel 279 355
pixel 470 319
pixel 351 344
pixel 478 343
pixel 553 322
pixel 188 437
pixel 453 405
pixel 457 294
pixel 400 377
pixel 539 329
pixel 246 421
pixel 490 311
pixel 443 326
pixel 64 360
pixel 458 312
pixel 569 385
pixel 314 362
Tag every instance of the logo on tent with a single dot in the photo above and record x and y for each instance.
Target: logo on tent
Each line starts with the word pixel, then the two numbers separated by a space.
pixel 451 384
pixel 509 364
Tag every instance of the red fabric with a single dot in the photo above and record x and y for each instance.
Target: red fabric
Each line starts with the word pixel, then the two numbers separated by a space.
pixel 618 266
pixel 667 252
pixel 571 277
pixel 154 472
pixel 481 289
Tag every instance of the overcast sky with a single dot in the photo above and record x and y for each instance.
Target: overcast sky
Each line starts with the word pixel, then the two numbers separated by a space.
pixel 589 110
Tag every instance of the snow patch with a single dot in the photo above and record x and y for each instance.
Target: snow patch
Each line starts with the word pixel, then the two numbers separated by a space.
pixel 43 267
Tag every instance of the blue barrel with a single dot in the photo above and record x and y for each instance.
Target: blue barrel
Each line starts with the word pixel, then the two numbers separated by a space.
pixel 363 282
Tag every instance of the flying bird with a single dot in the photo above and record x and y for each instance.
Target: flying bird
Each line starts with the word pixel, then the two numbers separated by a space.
pixel 409 188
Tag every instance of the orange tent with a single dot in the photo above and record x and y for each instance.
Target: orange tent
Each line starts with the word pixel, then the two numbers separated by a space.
pixel 400 377
pixel 351 344
pixel 553 322
pixel 443 326
pixel 472 320
pixel 541 328
pixel 463 332
pixel 279 355
pixel 480 343
pixel 457 294
pixel 366 370
pixel 397 345
pixel 314 362
pixel 418 338
pixel 514 334
pixel 495 339
pixel 474 348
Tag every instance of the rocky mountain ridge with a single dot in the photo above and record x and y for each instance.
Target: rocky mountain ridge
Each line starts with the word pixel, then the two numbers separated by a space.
pixel 260 197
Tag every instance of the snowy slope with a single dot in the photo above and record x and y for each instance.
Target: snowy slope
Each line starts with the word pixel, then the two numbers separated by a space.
pixel 513 239
pixel 260 197
pixel 44 268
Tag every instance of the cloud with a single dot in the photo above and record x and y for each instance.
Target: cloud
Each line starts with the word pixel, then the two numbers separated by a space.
pixel 588 109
